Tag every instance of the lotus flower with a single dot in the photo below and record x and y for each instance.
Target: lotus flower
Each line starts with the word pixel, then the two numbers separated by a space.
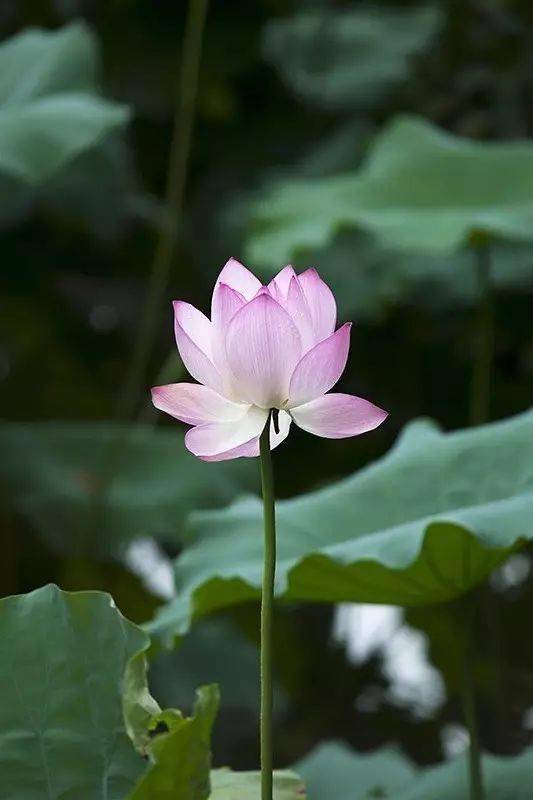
pixel 265 348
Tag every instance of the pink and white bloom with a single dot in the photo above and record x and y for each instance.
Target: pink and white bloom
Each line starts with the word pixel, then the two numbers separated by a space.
pixel 265 347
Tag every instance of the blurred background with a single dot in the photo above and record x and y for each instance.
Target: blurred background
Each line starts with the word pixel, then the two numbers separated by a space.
pixel 126 153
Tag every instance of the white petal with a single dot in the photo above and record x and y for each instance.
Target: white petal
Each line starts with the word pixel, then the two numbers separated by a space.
pixel 320 368
pixel 251 449
pixel 213 439
pixel 263 347
pixel 196 404
pixel 284 424
pixel 247 450
pixel 336 416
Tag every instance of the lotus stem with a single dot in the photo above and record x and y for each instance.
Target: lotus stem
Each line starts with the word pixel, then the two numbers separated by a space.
pixel 477 791
pixel 180 149
pixel 480 390
pixel 267 607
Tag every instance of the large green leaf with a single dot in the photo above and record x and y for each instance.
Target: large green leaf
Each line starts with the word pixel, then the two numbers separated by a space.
pixel 335 771
pixel 50 111
pixel 369 279
pixel 228 785
pixel 343 59
pixel 53 474
pixel 420 189
pixel 422 525
pixel 180 755
pixel 61 728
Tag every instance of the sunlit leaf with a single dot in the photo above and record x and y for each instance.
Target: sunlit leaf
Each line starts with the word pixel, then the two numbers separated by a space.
pixel 228 785
pixel 424 524
pixel 55 474
pixel 61 728
pixel 341 59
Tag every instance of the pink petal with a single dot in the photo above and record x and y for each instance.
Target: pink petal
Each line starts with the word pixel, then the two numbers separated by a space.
pixel 193 337
pixel 225 303
pixel 321 303
pixel 195 324
pixel 279 285
pixel 216 438
pixel 297 307
pixel 263 347
pixel 195 404
pixel 251 449
pixel 236 275
pixel 336 416
pixel 320 368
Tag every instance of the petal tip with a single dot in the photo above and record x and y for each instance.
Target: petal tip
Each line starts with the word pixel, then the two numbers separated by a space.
pixel 177 306
pixel 380 415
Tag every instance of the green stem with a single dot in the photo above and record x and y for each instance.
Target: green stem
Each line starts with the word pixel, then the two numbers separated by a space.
pixel 477 791
pixel 175 194
pixel 480 390
pixel 267 603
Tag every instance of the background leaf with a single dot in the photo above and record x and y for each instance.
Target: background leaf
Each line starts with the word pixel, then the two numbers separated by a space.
pixel 346 58
pixel 335 771
pixel 420 189
pixel 49 108
pixel 373 280
pixel 36 63
pixel 385 535
pixel 504 779
pixel 228 785
pixel 55 474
